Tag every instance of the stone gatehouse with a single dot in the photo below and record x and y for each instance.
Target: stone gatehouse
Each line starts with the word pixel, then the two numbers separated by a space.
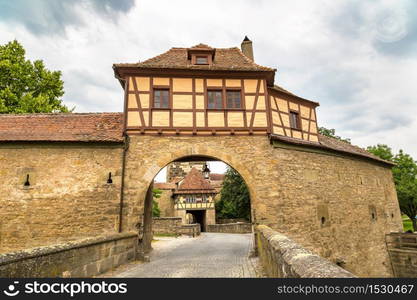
pixel 71 176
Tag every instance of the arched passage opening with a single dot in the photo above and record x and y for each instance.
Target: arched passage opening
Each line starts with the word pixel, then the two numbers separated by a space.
pixel 197 195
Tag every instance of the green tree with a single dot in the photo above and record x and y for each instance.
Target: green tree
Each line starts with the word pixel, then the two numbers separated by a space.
pixel 156 212
pixel 332 133
pixel 235 199
pixel 405 179
pixel 382 151
pixel 28 87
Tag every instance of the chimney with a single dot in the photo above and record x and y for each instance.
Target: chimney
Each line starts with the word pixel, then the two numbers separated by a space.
pixel 247 48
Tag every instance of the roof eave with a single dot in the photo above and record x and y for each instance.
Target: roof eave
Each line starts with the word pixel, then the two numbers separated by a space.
pixel 318 145
pixel 122 71
pixel 316 104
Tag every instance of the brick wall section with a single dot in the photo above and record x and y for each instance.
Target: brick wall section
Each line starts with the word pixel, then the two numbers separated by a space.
pixel 291 191
pixel 84 258
pixel 230 228
pixel 280 257
pixel 68 197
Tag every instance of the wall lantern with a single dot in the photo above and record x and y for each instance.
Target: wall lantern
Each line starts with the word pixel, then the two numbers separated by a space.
pixel 27 183
pixel 109 180
pixel 206 171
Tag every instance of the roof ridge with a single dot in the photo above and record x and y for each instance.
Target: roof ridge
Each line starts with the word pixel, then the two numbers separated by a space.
pixel 201 45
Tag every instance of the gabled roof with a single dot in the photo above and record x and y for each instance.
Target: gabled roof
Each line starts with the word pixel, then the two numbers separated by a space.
pixel 225 59
pixel 194 182
pixel 62 127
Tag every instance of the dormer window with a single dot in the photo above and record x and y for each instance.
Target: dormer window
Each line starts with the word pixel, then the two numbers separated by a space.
pixel 200 55
pixel 201 60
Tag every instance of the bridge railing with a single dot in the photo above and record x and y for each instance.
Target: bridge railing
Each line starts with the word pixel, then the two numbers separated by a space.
pixel 280 257
pixel 402 249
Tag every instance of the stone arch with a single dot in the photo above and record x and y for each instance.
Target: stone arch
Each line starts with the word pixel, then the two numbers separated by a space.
pixel 238 165
pixel 197 151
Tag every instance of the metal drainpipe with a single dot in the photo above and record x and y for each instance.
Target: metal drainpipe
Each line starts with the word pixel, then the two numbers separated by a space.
pixel 125 148
pixel 122 185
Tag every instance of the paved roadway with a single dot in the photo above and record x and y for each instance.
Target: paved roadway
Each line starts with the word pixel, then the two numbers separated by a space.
pixel 209 255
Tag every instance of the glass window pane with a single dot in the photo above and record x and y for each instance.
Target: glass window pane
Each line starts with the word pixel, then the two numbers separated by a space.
pixel 161 99
pixel 233 99
pixel 294 120
pixel 215 100
pixel 201 60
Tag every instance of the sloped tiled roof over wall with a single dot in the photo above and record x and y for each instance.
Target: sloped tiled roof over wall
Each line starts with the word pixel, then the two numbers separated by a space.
pixel 108 127
pixel 332 144
pixel 71 127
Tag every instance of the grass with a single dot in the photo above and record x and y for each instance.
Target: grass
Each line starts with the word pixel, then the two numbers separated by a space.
pixel 407 224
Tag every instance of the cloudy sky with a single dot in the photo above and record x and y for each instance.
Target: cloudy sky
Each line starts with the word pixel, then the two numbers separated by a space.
pixel 357 58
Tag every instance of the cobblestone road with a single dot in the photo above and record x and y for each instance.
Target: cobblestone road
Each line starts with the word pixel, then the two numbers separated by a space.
pixel 209 255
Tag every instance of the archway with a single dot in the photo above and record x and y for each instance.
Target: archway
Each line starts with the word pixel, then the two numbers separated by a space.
pixel 192 209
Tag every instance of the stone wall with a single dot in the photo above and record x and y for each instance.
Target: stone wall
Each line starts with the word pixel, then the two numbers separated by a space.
pixel 191 230
pixel 84 258
pixel 230 228
pixel 166 204
pixel 280 257
pixel 174 226
pixel 403 253
pixel 227 221
pixel 166 225
pixel 68 197
pixel 316 198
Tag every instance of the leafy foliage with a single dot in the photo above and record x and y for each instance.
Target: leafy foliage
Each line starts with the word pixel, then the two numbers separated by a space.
pixel 235 199
pixel 332 133
pixel 405 178
pixel 156 212
pixel 28 87
pixel 382 151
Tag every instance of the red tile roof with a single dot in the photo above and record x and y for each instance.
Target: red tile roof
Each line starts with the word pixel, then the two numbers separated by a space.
pixel 108 127
pixel 225 59
pixel 328 143
pixel 71 127
pixel 194 182
pixel 164 185
pixel 202 46
pixel 280 89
